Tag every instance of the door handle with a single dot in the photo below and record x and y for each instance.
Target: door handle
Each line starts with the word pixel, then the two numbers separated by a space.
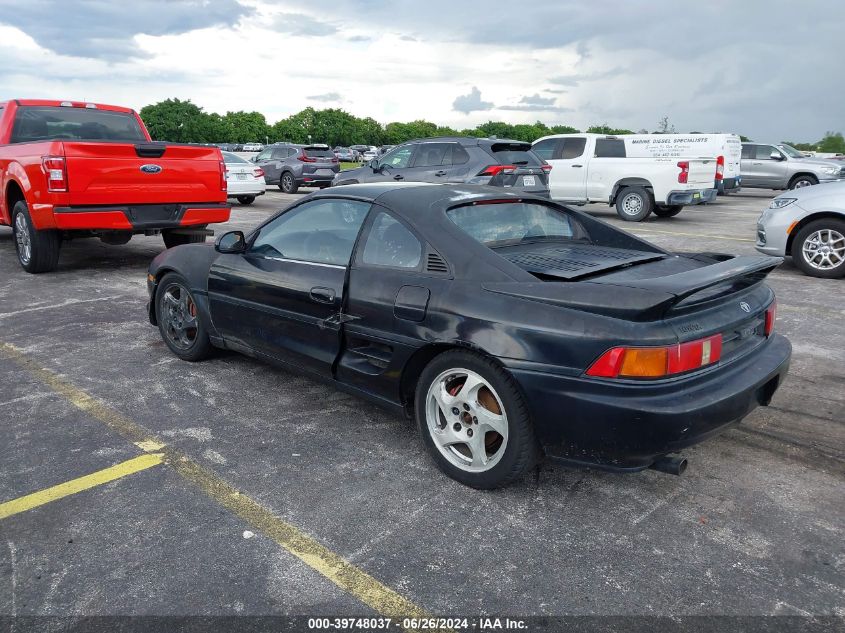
pixel 756 163
pixel 322 295
pixel 440 173
pixel 399 177
pixel 577 166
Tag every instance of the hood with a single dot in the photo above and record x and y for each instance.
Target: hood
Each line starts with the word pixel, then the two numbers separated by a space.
pixel 824 190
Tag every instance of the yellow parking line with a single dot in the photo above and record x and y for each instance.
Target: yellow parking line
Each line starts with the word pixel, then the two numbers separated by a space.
pixel 309 550
pixel 22 504
pixel 713 237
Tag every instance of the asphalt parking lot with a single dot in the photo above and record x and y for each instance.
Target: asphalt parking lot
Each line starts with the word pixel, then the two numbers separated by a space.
pixel 260 492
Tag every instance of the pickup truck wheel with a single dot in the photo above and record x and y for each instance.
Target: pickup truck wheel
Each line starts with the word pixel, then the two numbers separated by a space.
pixel 803 180
pixel 474 420
pixel 634 204
pixel 667 211
pixel 177 239
pixel 38 251
pixel 287 183
pixel 246 199
pixel 818 249
pixel 179 320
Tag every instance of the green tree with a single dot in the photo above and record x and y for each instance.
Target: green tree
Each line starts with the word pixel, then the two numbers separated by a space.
pixel 244 127
pixel 180 122
pixel 833 142
pixel 606 129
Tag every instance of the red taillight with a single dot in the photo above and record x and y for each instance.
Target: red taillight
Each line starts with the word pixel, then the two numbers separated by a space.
pixel 683 177
pixel 657 362
pixel 223 171
pixel 55 169
pixel 495 170
pixel 720 167
pixel 258 172
pixel 771 313
pixel 547 168
pixel 335 159
pixel 306 159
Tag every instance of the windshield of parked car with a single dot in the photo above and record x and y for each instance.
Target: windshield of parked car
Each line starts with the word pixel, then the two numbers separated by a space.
pixel 790 151
pixel 43 123
pixel 506 223
pixel 229 157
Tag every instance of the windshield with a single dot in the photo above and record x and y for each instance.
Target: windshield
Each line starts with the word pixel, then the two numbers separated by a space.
pixel 42 123
pixel 790 151
pixel 506 223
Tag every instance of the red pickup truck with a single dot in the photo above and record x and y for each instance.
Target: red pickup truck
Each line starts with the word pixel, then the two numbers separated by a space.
pixel 71 169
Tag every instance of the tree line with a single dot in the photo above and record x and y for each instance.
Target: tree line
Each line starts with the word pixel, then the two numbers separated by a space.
pixel 181 121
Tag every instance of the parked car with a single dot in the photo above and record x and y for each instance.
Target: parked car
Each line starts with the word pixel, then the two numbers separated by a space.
pixel 780 166
pixel 293 166
pixel 344 154
pixel 809 225
pixel 506 323
pixel 359 150
pixel 245 181
pixel 494 162
pixel 369 154
pixel 623 171
pixel 252 147
pixel 384 149
pixel 71 169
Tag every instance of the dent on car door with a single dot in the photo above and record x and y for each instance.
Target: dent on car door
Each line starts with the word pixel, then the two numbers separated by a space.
pixel 283 297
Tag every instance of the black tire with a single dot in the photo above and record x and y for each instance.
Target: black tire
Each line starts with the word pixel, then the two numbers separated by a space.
pixel 177 239
pixel 803 180
pixel 833 227
pixel 520 452
pixel 195 345
pixel 38 251
pixel 634 204
pixel 667 211
pixel 246 199
pixel 287 183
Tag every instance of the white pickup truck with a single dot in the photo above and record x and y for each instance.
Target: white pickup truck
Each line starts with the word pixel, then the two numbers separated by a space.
pixel 623 170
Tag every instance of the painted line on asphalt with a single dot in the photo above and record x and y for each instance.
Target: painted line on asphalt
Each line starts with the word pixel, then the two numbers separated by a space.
pixel 86 482
pixel 714 237
pixel 309 550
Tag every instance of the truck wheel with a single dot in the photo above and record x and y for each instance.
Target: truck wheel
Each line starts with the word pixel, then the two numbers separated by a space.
pixel 38 251
pixel 287 183
pixel 246 199
pixel 667 211
pixel 819 249
pixel 634 204
pixel 177 239
pixel 803 180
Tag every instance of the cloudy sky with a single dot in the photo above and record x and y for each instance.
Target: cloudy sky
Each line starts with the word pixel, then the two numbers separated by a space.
pixel 769 69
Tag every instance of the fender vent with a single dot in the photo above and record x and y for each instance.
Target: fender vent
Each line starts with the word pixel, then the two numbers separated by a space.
pixel 436 264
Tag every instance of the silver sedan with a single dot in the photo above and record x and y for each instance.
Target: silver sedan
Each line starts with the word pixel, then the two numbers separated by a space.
pixel 809 225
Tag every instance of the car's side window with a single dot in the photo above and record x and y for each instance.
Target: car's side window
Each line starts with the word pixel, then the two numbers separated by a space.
pixel 321 231
pixel 547 149
pixel 390 243
pixel 280 153
pixel 264 155
pixel 430 154
pixel 609 148
pixel 574 147
pixel 398 158
pixel 764 152
pixel 748 151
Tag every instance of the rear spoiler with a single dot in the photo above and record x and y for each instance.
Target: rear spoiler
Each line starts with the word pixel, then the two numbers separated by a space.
pixel 640 299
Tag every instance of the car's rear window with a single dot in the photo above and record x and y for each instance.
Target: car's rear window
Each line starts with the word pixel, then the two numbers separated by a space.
pixel 507 223
pixel 229 157
pixel 46 123
pixel 515 154
pixel 317 152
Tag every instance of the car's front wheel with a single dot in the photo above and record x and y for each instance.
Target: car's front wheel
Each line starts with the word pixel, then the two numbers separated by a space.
pixel 179 320
pixel 474 421
pixel 634 204
pixel 818 249
pixel 803 180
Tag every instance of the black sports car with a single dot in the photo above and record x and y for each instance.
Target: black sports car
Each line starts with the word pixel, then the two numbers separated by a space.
pixel 510 326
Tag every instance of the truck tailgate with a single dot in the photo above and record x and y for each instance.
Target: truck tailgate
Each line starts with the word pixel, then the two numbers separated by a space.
pixel 103 173
pixel 702 173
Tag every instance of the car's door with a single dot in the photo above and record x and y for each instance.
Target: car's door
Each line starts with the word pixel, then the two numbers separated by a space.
pixel 568 178
pixel 283 297
pixel 267 162
pixel 390 290
pixel 772 171
pixel 427 164
pixel 394 165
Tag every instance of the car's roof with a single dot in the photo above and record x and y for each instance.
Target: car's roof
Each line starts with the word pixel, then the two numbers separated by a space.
pixel 414 198
pixel 466 141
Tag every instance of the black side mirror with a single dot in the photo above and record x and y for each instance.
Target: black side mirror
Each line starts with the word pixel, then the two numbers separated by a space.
pixel 374 165
pixel 231 242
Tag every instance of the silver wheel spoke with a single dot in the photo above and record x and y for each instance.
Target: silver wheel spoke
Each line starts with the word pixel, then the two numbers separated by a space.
pixel 489 421
pixel 469 390
pixel 478 450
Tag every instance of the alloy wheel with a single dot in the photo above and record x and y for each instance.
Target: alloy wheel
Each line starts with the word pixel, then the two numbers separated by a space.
pixel 824 249
pixel 466 420
pixel 22 239
pixel 179 316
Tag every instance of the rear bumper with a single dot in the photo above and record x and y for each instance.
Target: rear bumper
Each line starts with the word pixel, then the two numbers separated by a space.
pixel 728 185
pixel 626 426
pixel 139 217
pixel 693 196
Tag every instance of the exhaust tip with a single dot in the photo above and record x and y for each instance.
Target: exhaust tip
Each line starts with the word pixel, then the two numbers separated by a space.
pixel 670 465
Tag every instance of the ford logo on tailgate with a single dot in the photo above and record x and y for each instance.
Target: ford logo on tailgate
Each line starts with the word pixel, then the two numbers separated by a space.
pixel 151 169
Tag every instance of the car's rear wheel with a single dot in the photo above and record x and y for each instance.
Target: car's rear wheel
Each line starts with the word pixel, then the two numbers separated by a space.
pixel 172 239
pixel 803 180
pixel 287 183
pixel 474 421
pixel 246 199
pixel 38 251
pixel 667 211
pixel 634 204
pixel 179 320
pixel 818 249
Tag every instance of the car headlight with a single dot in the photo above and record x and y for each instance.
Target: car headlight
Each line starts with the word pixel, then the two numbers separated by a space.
pixel 780 203
pixel 830 171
